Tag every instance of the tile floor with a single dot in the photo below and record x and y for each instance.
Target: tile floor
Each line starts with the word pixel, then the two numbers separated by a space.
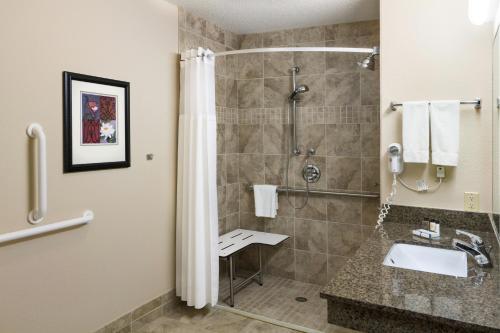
pixel 182 319
pixel 276 300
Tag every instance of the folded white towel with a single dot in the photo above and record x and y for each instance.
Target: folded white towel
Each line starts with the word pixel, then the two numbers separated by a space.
pixel 416 132
pixel 445 132
pixel 266 200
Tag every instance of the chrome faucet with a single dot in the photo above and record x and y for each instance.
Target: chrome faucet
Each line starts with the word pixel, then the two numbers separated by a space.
pixel 475 248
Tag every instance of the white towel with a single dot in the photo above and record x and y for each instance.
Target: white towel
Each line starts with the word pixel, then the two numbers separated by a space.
pixel 266 200
pixel 445 132
pixel 416 132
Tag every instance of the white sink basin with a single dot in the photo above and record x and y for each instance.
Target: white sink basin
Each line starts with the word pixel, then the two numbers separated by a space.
pixel 427 259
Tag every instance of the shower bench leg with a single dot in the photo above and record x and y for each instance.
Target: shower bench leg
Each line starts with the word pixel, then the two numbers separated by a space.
pixel 232 276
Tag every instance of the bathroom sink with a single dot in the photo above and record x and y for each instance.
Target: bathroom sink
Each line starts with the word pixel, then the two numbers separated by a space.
pixel 427 259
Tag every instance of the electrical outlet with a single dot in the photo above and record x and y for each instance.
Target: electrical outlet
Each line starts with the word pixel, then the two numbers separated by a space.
pixel 471 201
pixel 440 172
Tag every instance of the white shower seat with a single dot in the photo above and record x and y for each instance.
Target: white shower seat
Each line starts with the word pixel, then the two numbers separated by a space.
pixel 239 239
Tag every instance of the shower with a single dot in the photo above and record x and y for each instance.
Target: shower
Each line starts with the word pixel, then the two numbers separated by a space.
pixel 311 172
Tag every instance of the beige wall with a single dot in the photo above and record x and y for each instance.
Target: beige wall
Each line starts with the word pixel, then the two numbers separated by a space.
pixel 78 280
pixel 430 50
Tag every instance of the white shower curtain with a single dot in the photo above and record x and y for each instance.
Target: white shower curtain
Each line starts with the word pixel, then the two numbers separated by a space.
pixel 197 257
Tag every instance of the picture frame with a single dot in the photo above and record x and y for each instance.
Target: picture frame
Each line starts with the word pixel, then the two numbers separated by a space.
pixel 96 123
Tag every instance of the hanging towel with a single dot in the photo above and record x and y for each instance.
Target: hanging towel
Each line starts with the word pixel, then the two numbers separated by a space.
pixel 445 136
pixel 416 132
pixel 266 200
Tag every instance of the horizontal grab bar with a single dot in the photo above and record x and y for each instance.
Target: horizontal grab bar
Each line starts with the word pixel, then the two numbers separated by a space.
pixel 346 194
pixel 20 234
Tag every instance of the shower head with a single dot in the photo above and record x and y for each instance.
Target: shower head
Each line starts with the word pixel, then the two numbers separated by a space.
pixel 369 61
pixel 299 90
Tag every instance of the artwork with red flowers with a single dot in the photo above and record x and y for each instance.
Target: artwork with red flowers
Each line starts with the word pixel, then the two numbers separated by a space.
pixel 98 119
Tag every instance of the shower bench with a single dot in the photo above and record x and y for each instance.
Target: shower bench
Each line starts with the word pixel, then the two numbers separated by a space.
pixel 237 240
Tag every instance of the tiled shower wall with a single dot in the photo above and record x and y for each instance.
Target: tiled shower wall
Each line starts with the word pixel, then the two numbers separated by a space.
pixel 338 117
pixel 195 31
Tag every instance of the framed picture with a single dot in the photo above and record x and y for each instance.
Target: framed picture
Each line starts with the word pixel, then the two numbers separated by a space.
pixel 96 123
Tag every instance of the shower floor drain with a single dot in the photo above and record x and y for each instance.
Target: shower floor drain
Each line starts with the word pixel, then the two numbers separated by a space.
pixel 301 299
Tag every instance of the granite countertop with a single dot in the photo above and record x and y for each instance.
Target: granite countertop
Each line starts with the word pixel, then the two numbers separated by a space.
pixel 472 302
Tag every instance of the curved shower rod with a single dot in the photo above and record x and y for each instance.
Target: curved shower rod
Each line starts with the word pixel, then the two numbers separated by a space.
pixel 372 50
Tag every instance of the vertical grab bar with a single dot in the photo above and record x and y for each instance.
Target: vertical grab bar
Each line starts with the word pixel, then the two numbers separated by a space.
pixel 36 215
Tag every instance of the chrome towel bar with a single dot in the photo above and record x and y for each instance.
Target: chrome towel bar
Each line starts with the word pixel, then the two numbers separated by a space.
pixel 477 104
pixel 346 194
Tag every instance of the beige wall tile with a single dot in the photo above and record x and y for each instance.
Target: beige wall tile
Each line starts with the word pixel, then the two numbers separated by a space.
pixel 251 139
pixel 344 140
pixel 311 267
pixel 221 170
pixel 344 210
pixel 371 173
pixel 221 201
pixel 344 239
pixel 250 66
pixel 275 138
pixel 278 38
pixel 311 235
pixel 278 64
pixel 280 261
pixel 232 222
pixel 232 168
pixel 232 40
pixel 251 41
pixel 344 173
pixel 275 169
pixel 343 89
pixel 250 93
pixel 315 209
pixel 308 35
pixel 196 24
pixel 276 92
pixel 251 168
pixel 335 264
pixel 215 33
pixel 370 211
pixel 232 198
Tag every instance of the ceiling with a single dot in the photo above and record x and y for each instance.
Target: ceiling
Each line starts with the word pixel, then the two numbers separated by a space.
pixel 248 16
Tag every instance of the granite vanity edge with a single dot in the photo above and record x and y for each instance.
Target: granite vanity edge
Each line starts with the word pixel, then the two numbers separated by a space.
pixel 407 313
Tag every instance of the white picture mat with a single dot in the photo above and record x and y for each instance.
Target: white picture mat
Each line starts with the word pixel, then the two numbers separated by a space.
pixel 87 154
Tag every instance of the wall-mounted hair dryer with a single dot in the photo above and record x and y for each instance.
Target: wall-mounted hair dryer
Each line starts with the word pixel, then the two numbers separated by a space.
pixel 395 152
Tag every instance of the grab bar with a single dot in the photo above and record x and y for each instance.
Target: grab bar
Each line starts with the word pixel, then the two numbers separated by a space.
pixel 17 235
pixel 347 194
pixel 36 215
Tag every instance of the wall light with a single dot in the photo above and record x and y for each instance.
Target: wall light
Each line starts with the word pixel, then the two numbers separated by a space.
pixel 479 11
